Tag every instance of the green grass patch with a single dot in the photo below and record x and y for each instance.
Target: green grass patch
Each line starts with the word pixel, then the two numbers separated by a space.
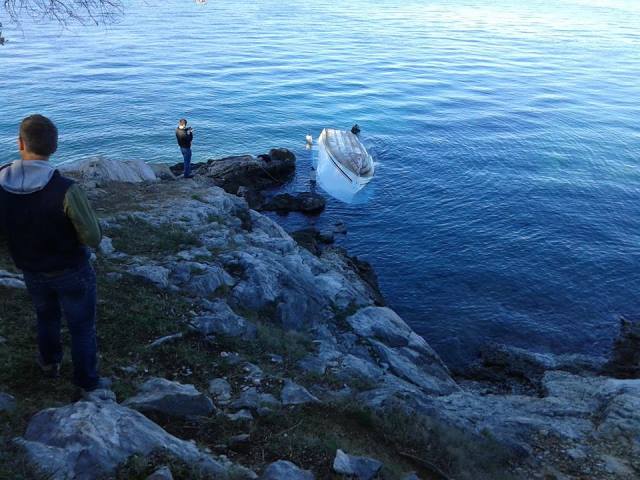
pixel 138 237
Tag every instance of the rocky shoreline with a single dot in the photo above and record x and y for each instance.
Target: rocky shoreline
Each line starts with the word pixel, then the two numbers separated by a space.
pixel 516 415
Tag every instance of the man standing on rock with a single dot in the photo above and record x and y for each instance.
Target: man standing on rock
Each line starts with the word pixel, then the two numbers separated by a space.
pixel 184 135
pixel 48 223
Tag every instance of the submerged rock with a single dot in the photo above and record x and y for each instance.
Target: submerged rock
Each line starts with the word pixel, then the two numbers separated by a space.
pixel 362 468
pixel 170 398
pixel 284 470
pixel 87 440
pixel 625 359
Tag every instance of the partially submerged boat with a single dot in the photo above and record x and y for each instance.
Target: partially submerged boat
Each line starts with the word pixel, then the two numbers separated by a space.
pixel 343 151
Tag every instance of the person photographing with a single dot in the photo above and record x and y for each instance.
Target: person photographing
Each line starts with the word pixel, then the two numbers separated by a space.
pixel 48 224
pixel 184 135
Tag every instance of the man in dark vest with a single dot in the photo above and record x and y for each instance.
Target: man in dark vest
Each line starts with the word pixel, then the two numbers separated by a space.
pixel 48 224
pixel 184 135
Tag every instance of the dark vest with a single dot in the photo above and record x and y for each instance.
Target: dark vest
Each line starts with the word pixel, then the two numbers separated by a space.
pixel 41 237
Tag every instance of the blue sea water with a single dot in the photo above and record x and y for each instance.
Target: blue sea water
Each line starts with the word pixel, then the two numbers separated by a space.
pixel 506 203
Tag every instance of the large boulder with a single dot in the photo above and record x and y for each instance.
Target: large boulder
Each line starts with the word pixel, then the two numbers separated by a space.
pixel 106 170
pixel 170 398
pixel 89 439
pixel 256 173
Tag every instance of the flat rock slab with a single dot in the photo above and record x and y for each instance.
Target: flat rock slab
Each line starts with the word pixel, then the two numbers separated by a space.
pixel 362 468
pixel 294 394
pixel 170 398
pixel 89 439
pixel 284 470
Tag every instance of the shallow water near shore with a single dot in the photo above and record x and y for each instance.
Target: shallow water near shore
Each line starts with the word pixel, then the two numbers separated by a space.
pixel 506 200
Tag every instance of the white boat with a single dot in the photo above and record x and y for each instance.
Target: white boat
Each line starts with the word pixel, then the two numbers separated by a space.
pixel 343 151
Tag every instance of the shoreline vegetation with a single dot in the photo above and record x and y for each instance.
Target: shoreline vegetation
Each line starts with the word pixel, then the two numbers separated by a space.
pixel 241 351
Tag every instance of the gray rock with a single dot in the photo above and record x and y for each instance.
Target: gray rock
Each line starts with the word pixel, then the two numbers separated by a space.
pixel 7 403
pixel 207 283
pixel 256 173
pixel 250 398
pixel 86 440
pixel 11 280
pixel 163 473
pixel 411 476
pixel 284 470
pixel 426 371
pixel 517 362
pixel 326 236
pixel 362 468
pixel 221 390
pixel 170 398
pixel 294 394
pixel 306 202
pixel 254 373
pixel 106 246
pixel 223 321
pixel 240 416
pixel 381 323
pixel 253 400
pixel 162 171
pixel 155 274
pixel 572 402
pixel 340 227
pixel 105 170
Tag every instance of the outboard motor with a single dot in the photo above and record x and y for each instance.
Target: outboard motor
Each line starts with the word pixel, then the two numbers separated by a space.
pixel 355 129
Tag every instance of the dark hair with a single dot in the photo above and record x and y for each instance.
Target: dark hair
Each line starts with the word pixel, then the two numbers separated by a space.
pixel 183 121
pixel 39 134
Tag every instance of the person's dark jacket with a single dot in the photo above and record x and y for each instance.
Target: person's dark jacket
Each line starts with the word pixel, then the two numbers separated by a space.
pixel 184 137
pixel 45 218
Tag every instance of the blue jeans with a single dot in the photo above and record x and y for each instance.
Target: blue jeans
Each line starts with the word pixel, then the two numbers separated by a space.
pixel 74 293
pixel 186 155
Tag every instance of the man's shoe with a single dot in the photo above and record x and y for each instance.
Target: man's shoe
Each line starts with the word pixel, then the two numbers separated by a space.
pixel 51 370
